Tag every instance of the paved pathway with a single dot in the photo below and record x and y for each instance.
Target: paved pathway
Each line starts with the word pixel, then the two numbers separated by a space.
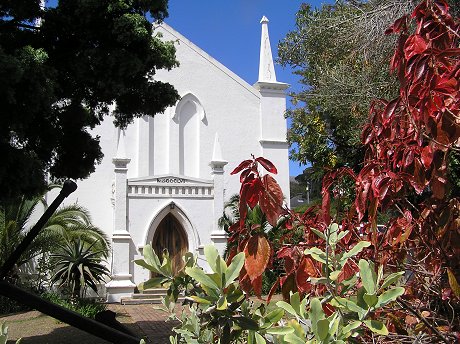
pixel 150 322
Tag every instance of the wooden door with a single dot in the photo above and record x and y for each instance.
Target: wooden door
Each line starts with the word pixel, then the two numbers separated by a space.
pixel 170 235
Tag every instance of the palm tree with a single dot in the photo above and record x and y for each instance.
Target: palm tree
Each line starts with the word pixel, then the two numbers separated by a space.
pixel 73 222
pixel 67 224
pixel 78 266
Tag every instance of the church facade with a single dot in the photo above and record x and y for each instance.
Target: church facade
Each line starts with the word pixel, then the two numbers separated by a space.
pixel 164 180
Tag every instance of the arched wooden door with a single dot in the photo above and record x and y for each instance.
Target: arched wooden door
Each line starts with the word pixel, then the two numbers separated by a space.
pixel 170 235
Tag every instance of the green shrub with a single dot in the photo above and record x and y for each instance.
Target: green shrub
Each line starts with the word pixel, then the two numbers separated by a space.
pixel 86 307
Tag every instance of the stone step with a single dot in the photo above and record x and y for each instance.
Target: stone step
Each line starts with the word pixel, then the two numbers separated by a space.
pixel 153 291
pixel 147 296
pixel 142 301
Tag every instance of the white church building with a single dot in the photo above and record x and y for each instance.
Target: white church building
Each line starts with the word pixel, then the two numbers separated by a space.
pixel 164 180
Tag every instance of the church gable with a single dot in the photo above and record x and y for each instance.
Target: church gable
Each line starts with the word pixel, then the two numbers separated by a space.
pixel 186 47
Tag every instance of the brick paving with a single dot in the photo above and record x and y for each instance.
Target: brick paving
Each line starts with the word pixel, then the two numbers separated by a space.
pixel 152 322
pixel 146 321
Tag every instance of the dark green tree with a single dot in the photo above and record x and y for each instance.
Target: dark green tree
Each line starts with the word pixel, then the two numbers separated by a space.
pixel 61 70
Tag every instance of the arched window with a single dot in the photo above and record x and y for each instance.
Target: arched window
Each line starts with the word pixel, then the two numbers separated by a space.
pixel 189 114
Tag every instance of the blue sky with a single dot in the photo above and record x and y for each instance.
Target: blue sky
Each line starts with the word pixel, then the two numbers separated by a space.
pixel 230 32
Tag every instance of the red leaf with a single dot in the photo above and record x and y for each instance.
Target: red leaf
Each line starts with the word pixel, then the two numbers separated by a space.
pixel 415 45
pixel 243 165
pixel 388 113
pixel 257 252
pixel 442 6
pixel 231 254
pixel 271 200
pixel 427 156
pixel 438 186
pixel 254 193
pixel 267 164
pixel 326 206
pixel 273 289
pixel 306 269
pixel 244 175
pixel 328 309
pixel 287 285
pixel 367 134
pixel 409 158
pixel 257 286
pixel 397 25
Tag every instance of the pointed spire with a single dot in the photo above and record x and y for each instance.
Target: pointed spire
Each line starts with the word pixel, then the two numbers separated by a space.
pixel 121 149
pixel 266 67
pixel 217 152
pixel 217 162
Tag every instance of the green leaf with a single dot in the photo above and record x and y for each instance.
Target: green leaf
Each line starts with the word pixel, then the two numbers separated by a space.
pixel 246 323
pixel 322 328
pixel 351 326
pixel 201 277
pixel 376 327
pixel 342 235
pixel 280 330
pixel 147 266
pixel 316 314
pixel 379 275
pixel 334 322
pixel 222 303
pixel 259 339
pixel 201 300
pixel 295 302
pixel 151 257
pixel 153 283
pixel 316 254
pixel 333 229
pixel 318 233
pixel 274 316
pixel 370 299
pixel 392 278
pixel 211 255
pixel 293 338
pixel 234 268
pixel 389 296
pixel 367 277
pixel 354 251
pixel 347 304
pixel 334 275
pixel 287 307
pixel 235 295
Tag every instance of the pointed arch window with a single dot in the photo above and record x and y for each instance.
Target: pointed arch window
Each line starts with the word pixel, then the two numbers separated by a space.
pixel 189 114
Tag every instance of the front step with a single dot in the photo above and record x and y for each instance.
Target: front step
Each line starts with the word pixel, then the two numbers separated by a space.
pixel 148 296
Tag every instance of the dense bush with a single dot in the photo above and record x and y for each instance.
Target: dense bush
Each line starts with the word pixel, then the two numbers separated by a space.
pixel 86 307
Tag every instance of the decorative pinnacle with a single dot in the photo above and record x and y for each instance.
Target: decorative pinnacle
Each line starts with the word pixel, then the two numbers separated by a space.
pixel 264 20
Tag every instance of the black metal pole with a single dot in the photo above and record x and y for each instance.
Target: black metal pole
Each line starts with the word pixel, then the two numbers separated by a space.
pixel 68 187
pixel 65 315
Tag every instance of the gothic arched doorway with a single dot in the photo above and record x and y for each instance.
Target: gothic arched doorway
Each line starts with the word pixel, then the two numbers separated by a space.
pixel 170 235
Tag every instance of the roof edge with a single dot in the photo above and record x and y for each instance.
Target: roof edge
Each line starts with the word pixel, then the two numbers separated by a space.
pixel 208 57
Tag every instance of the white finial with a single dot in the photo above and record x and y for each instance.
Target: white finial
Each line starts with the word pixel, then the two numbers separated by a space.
pixel 266 67
pixel 217 152
pixel 121 150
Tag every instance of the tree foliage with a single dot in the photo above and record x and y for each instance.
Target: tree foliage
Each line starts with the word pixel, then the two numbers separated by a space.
pixel 62 74
pixel 341 56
